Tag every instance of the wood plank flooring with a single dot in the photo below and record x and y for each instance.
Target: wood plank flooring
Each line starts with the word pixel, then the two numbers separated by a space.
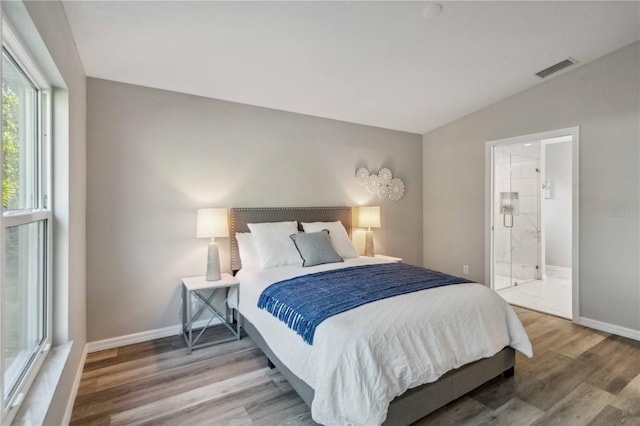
pixel 578 376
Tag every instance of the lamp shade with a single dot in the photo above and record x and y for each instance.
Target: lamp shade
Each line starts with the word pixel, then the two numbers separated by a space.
pixel 212 223
pixel 369 217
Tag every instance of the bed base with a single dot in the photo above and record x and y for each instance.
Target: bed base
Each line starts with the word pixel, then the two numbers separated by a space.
pixel 418 402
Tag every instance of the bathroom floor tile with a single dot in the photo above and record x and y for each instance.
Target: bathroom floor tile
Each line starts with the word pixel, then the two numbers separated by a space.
pixel 552 296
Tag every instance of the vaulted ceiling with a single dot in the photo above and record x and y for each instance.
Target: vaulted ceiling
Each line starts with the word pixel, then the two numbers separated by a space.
pixel 377 63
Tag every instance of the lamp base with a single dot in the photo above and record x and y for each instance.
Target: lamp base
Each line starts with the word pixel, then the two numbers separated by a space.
pixel 213 262
pixel 368 244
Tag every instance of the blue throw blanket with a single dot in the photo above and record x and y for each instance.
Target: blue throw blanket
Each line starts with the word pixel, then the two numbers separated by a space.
pixel 304 302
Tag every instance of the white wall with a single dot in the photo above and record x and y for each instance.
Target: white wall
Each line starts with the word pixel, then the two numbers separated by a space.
pixel 557 209
pixel 602 99
pixel 154 157
pixel 38 22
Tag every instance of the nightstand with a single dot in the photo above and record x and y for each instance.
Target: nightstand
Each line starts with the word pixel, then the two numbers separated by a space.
pixel 198 288
pixel 389 258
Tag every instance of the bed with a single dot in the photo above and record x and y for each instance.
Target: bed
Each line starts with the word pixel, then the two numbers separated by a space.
pixel 365 383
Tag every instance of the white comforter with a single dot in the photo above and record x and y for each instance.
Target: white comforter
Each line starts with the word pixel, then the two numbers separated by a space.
pixel 363 358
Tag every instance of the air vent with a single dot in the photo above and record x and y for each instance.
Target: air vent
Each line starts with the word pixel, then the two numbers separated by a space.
pixel 555 68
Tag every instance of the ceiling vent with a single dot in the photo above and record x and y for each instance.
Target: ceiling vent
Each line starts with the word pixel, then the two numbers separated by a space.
pixel 555 68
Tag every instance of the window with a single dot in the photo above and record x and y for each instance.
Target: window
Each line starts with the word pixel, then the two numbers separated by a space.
pixel 25 307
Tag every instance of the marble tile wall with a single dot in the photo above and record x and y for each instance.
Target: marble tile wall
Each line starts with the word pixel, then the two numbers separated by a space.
pixel 516 249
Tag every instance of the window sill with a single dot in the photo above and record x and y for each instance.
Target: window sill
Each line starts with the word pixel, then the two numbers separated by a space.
pixel 36 404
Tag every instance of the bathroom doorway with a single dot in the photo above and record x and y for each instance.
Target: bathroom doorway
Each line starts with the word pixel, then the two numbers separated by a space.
pixel 531 200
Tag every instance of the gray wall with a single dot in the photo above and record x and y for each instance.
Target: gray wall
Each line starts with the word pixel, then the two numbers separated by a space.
pixel 602 98
pixel 39 22
pixel 557 209
pixel 154 157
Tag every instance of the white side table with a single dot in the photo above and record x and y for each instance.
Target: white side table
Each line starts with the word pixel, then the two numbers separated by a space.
pixel 194 287
pixel 389 258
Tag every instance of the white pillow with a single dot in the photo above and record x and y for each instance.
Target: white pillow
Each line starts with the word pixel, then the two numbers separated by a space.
pixel 339 237
pixel 248 252
pixel 273 244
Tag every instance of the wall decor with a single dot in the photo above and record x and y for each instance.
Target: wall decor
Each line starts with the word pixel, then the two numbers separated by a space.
pixel 374 184
pixel 362 175
pixel 396 189
pixel 383 183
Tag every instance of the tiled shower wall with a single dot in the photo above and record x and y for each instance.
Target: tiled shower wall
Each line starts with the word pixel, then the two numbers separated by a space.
pixel 516 250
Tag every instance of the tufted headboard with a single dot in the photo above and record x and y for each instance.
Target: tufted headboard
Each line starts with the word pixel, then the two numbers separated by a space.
pixel 239 217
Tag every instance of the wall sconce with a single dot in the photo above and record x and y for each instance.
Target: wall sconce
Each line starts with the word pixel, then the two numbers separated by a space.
pixel 212 223
pixel 369 217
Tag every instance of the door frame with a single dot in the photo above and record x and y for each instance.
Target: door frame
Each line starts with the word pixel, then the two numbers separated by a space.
pixel 489 201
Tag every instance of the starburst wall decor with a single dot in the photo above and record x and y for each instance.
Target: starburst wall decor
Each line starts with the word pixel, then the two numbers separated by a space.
pixel 383 184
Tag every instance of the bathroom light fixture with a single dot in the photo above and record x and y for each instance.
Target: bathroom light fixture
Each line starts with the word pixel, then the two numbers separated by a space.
pixel 212 223
pixel 369 217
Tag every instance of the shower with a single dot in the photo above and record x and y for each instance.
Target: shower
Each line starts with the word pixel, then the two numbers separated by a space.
pixel 517 234
pixel 531 182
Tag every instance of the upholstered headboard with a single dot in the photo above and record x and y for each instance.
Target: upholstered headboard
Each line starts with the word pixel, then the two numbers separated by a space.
pixel 241 216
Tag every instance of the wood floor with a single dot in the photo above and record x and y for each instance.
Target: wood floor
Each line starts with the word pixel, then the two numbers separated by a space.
pixel 578 376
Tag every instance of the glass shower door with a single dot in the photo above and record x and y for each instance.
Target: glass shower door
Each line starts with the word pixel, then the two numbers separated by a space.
pixel 516 214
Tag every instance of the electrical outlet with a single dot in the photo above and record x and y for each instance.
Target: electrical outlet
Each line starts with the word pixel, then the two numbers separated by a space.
pixel 465 269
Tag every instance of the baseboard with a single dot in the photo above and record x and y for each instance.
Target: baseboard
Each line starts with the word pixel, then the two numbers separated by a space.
pixel 610 328
pixel 143 336
pixel 74 388
pixel 557 268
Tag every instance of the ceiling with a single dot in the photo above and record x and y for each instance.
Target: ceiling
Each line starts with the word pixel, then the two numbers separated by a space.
pixel 377 63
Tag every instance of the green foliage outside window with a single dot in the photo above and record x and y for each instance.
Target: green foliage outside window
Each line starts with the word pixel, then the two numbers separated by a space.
pixel 10 146
pixel 10 187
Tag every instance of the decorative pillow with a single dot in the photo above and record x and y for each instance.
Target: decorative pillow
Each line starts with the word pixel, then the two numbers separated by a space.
pixel 273 244
pixel 315 248
pixel 339 237
pixel 248 252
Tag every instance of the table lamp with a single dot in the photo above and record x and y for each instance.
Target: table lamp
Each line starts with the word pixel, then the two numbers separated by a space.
pixel 212 223
pixel 369 217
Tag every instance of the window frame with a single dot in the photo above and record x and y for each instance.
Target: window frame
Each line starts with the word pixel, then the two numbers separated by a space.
pixel 41 212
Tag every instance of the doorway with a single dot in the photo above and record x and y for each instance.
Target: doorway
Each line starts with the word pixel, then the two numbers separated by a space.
pixel 532 192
